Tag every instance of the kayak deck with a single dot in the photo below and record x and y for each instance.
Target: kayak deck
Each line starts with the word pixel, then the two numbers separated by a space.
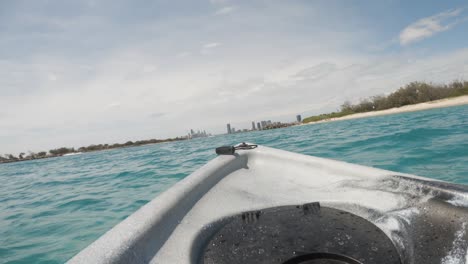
pixel 424 219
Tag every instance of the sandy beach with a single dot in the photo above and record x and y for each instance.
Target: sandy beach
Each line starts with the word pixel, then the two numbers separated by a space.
pixel 461 100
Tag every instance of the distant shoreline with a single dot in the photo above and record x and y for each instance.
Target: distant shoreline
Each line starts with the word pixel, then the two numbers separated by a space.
pixel 64 152
pixel 447 102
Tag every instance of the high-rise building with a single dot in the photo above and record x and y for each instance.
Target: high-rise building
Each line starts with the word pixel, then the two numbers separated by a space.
pixel 299 118
pixel 253 125
pixel 229 129
pixel 258 126
pixel 197 134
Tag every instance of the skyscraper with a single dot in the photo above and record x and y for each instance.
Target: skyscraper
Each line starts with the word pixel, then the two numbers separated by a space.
pixel 258 126
pixel 253 125
pixel 299 118
pixel 229 128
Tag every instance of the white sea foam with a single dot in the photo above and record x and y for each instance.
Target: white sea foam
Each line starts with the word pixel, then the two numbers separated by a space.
pixel 72 154
pixel 458 253
pixel 407 214
pixel 459 200
pixel 389 224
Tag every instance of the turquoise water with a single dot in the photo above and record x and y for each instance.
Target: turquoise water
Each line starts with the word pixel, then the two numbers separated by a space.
pixel 51 209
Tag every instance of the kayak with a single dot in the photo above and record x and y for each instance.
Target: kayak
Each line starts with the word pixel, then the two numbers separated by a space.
pixel 255 204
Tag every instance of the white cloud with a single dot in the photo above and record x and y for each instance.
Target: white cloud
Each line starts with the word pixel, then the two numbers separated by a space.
pixel 52 77
pixel 183 54
pixel 312 87
pixel 206 49
pixel 211 45
pixel 428 26
pixel 113 105
pixel 149 68
pixel 225 10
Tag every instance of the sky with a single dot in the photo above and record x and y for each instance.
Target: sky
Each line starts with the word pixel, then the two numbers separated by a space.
pixel 75 73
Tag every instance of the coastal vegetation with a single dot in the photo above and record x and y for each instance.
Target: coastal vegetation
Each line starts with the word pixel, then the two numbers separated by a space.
pixel 413 93
pixel 64 151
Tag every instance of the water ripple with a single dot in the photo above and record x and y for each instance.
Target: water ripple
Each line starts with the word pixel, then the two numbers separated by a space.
pixel 53 208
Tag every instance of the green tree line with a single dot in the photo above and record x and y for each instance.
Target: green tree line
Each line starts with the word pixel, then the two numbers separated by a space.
pixel 413 93
pixel 63 150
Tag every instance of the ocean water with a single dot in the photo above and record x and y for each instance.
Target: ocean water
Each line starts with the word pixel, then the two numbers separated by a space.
pixel 50 209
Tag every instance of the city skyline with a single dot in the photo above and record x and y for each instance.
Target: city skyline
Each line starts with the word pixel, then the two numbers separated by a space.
pixel 261 125
pixel 197 134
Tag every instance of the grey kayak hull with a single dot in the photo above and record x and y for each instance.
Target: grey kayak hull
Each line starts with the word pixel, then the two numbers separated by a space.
pixel 423 218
